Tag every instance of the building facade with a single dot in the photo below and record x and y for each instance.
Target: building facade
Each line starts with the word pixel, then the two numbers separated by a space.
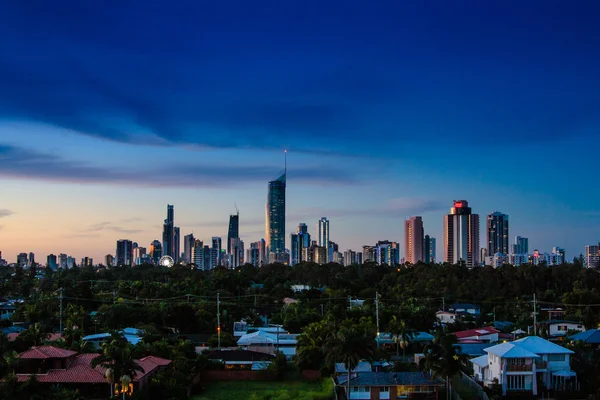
pixel 124 253
pixel 323 233
pixel 275 219
pixel 592 256
pixel 461 235
pixel 429 249
pixel 414 240
pixel 168 231
pixel 497 233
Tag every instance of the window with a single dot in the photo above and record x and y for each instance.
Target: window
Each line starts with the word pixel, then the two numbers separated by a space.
pixel 556 357
pixel 384 389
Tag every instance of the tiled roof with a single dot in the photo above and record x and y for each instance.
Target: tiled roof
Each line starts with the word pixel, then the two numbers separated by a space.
pixel 46 352
pixel 390 379
pixel 81 371
pixel 591 337
pixel 486 330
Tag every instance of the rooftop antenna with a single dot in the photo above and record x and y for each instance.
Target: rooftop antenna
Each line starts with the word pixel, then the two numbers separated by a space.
pixel 236 209
pixel 285 162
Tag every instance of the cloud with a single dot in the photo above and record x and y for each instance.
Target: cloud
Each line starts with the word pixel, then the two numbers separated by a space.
pixel 17 162
pixel 5 213
pixel 108 226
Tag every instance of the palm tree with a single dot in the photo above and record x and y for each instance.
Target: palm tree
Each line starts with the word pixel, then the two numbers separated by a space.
pixel 443 359
pixel 117 356
pixel 349 344
pixel 401 333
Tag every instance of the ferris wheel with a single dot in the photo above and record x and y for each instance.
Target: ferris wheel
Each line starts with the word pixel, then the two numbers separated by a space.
pixel 166 261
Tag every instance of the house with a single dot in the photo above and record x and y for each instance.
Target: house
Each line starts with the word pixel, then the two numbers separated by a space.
pixel 266 342
pixel 559 328
pixel 133 336
pixel 388 340
pixel 588 337
pixel 390 385
pixel 518 366
pixel 361 367
pixel 465 309
pixel 236 359
pixel 487 334
pixel 445 317
pixel 7 310
pixel 56 366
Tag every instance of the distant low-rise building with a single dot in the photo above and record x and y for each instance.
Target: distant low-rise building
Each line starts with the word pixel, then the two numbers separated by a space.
pixel 445 317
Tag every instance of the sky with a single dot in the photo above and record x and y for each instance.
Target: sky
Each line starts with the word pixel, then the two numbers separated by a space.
pixel 111 110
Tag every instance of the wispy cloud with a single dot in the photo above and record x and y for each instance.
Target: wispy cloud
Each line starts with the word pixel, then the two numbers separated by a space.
pixel 107 226
pixel 18 162
pixel 5 213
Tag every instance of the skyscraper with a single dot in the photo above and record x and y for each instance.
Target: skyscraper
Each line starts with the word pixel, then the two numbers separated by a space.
pixel 176 244
pixel 234 230
pixel 414 240
pixel 461 235
pixel 51 261
pixel 497 233
pixel 216 244
pixel 31 259
pixel 124 253
pixel 429 249
pixel 188 243
pixel 592 256
pixel 168 233
pixel 323 232
pixel 275 219
pixel 521 245
pixel 108 260
pixel 299 241
pixel 155 251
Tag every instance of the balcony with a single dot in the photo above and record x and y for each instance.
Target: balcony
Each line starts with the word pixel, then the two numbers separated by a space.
pixel 541 364
pixel 519 368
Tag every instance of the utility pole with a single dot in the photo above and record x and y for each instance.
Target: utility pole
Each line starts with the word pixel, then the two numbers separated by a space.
pixel 534 316
pixel 321 310
pixel 443 304
pixel 218 323
pixel 377 315
pixel 60 328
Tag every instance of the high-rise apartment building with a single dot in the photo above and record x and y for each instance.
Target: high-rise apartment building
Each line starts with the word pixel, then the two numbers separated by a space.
pixel 22 260
pixel 215 255
pixel 86 262
pixel 414 240
pixel 168 240
pixel 521 245
pixel 108 260
pixel 31 260
pixel 323 233
pixel 461 235
pixel 234 230
pixel 592 256
pixel 156 251
pixel 51 261
pixel 70 262
pixel 176 244
pixel 124 253
pixel 188 243
pixel 139 255
pixel 62 261
pixel 429 249
pixel 497 233
pixel 275 219
pixel 262 253
pixel 349 258
pixel 237 253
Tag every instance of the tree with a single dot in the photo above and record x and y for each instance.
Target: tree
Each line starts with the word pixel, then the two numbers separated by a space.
pixel 401 334
pixel 349 345
pixel 117 357
pixel 311 343
pixel 443 359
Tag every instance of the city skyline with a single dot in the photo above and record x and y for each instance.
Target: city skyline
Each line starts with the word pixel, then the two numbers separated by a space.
pixel 388 110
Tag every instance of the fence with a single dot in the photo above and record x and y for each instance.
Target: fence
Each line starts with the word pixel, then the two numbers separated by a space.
pixel 465 380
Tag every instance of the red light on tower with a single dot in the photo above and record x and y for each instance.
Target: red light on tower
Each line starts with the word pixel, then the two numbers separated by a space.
pixel 458 204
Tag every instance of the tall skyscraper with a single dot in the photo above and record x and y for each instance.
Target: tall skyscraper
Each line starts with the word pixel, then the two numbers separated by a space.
pixel 168 233
pixel 323 232
pixel 521 245
pixel 176 244
pixel 299 241
pixel 188 243
pixel 429 249
pixel 234 230
pixel 414 240
pixel 592 256
pixel 62 261
pixel 51 261
pixel 237 253
pixel 216 244
pixel 108 260
pixel 461 235
pixel 156 251
pixel 139 255
pixel 22 259
pixel 275 219
pixel 31 259
pixel 497 234
pixel 124 253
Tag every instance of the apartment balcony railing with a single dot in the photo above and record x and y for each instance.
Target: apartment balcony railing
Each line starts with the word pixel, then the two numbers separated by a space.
pixel 519 368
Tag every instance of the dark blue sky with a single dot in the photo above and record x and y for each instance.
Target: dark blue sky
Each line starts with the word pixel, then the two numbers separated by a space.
pixel 498 103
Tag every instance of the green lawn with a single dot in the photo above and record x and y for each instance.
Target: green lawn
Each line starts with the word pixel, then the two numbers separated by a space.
pixel 267 390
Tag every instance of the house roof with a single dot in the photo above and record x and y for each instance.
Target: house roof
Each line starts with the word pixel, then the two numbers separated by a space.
pixel 390 379
pixel 537 345
pixel 510 350
pixel 46 352
pixel 262 337
pixel 362 366
pixel 417 337
pixel 81 371
pixel 486 330
pixel 472 349
pixel 481 361
pixel 444 312
pixel 231 355
pixel 464 306
pixel 591 337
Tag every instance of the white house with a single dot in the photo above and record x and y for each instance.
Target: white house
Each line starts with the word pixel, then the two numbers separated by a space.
pixel 445 317
pixel 558 328
pixel 519 365
pixel 270 343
